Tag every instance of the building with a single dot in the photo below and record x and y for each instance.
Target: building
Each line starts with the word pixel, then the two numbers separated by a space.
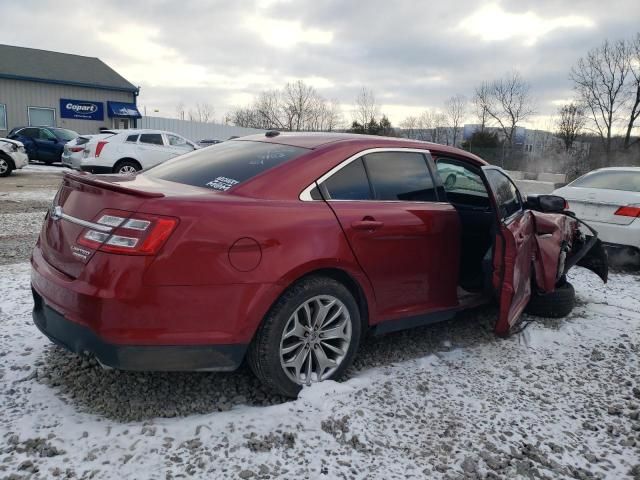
pixel 42 88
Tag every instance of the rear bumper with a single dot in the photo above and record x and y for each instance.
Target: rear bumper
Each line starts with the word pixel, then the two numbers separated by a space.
pixel 621 235
pixel 82 340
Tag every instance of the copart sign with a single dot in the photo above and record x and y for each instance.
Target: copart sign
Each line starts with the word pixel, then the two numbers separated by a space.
pixel 81 109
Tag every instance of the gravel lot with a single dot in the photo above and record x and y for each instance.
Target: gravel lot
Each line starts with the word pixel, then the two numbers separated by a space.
pixel 560 400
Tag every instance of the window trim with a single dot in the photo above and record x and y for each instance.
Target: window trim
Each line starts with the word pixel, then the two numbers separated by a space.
pixel 6 122
pixel 55 118
pixel 305 195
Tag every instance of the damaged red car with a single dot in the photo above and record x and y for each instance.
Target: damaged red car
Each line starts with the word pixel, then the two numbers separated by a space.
pixel 284 249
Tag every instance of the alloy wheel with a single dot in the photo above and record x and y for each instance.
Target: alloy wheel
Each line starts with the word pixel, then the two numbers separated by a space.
pixel 315 339
pixel 127 170
pixel 4 166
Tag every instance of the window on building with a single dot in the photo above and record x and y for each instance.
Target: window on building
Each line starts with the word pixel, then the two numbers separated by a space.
pixel 153 138
pixel 42 117
pixel 3 116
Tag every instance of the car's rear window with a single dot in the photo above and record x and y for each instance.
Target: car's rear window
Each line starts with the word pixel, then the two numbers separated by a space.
pixel 225 165
pixel 611 180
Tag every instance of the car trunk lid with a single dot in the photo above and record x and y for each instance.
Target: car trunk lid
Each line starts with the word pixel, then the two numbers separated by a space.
pixel 601 205
pixel 78 205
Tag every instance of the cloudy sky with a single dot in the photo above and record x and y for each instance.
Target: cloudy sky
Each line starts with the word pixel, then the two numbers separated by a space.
pixel 412 54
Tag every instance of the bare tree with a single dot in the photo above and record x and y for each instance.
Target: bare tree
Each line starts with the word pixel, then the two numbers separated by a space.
pixel 366 107
pixel 633 52
pixel 180 110
pixel 410 126
pixel 481 103
pixel 508 101
pixel 599 80
pixel 202 113
pixel 569 124
pixel 455 110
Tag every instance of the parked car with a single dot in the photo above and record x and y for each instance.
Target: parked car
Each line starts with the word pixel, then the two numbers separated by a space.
pixel 208 142
pixel 73 152
pixel 128 151
pixel 609 199
pixel 286 248
pixel 12 156
pixel 43 143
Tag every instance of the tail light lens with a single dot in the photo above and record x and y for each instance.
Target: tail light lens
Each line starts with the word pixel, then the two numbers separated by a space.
pixel 99 146
pixel 128 233
pixel 76 149
pixel 629 211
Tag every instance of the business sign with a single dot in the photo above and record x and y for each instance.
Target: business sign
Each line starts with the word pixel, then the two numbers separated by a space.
pixel 81 109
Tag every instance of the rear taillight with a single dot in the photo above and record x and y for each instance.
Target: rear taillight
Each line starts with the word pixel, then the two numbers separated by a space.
pixel 629 211
pixel 128 233
pixel 76 149
pixel 99 146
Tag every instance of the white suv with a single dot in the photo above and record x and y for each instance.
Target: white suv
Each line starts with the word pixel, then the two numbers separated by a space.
pixel 128 151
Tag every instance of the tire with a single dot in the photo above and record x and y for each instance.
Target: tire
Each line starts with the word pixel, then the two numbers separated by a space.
pixel 6 166
pixel 126 167
pixel 268 356
pixel 556 304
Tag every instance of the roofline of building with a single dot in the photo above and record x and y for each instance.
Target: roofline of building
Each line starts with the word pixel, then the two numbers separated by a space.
pixel 132 89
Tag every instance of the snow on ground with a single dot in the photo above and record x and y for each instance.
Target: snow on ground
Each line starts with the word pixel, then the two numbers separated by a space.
pixel 560 400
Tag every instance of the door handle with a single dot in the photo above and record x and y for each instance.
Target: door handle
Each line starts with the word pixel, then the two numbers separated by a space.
pixel 366 224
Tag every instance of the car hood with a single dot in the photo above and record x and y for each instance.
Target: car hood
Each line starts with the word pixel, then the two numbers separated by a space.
pixel 4 141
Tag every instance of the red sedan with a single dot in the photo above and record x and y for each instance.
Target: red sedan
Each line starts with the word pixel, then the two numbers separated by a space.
pixel 286 248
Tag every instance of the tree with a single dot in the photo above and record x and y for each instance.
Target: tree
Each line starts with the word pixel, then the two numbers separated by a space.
pixel 599 80
pixel 366 107
pixel 410 127
pixel 482 139
pixel 633 52
pixel 481 104
pixel 455 109
pixel 180 110
pixel 508 101
pixel 203 113
pixel 570 123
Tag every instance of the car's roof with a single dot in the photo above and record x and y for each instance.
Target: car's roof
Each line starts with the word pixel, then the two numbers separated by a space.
pixel 313 140
pixel 616 169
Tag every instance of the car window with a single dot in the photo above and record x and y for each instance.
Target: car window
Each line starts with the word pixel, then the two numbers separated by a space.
pixel 175 140
pixel 153 138
pixel 64 134
pixel 46 135
pixel 132 138
pixel 29 132
pixel 506 193
pixel 400 176
pixel 462 183
pixel 628 181
pixel 226 164
pixel 349 183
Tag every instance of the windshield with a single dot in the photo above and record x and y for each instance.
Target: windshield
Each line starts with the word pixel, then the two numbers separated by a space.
pixel 225 165
pixel 627 180
pixel 64 134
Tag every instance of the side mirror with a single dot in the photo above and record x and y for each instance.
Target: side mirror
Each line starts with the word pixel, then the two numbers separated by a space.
pixel 546 203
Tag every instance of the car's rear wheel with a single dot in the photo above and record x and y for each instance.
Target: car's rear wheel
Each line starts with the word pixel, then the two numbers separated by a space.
pixel 127 167
pixel 6 166
pixel 556 304
pixel 311 334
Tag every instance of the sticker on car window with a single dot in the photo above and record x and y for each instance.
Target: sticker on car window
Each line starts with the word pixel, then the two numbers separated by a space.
pixel 222 183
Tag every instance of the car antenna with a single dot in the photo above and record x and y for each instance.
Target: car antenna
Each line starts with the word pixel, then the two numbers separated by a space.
pixel 272 133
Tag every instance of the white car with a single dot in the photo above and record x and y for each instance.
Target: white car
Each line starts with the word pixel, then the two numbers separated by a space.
pixel 73 152
pixel 608 199
pixel 12 156
pixel 128 151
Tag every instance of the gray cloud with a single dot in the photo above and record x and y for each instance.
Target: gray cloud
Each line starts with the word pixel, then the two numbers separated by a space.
pixel 409 53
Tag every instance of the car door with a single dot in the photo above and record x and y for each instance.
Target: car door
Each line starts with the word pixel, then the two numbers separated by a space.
pixel 514 249
pixel 47 148
pixel 28 137
pixel 152 150
pixel 406 242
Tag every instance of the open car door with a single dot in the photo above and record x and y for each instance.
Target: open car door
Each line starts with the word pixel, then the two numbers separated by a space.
pixel 514 249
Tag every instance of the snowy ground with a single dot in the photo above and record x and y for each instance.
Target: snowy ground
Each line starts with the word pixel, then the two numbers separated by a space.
pixel 560 400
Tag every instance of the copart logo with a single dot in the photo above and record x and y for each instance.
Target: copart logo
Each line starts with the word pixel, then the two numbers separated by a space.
pixel 82 107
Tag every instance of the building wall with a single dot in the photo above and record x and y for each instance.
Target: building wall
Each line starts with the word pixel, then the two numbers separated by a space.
pixel 17 95
pixel 196 131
